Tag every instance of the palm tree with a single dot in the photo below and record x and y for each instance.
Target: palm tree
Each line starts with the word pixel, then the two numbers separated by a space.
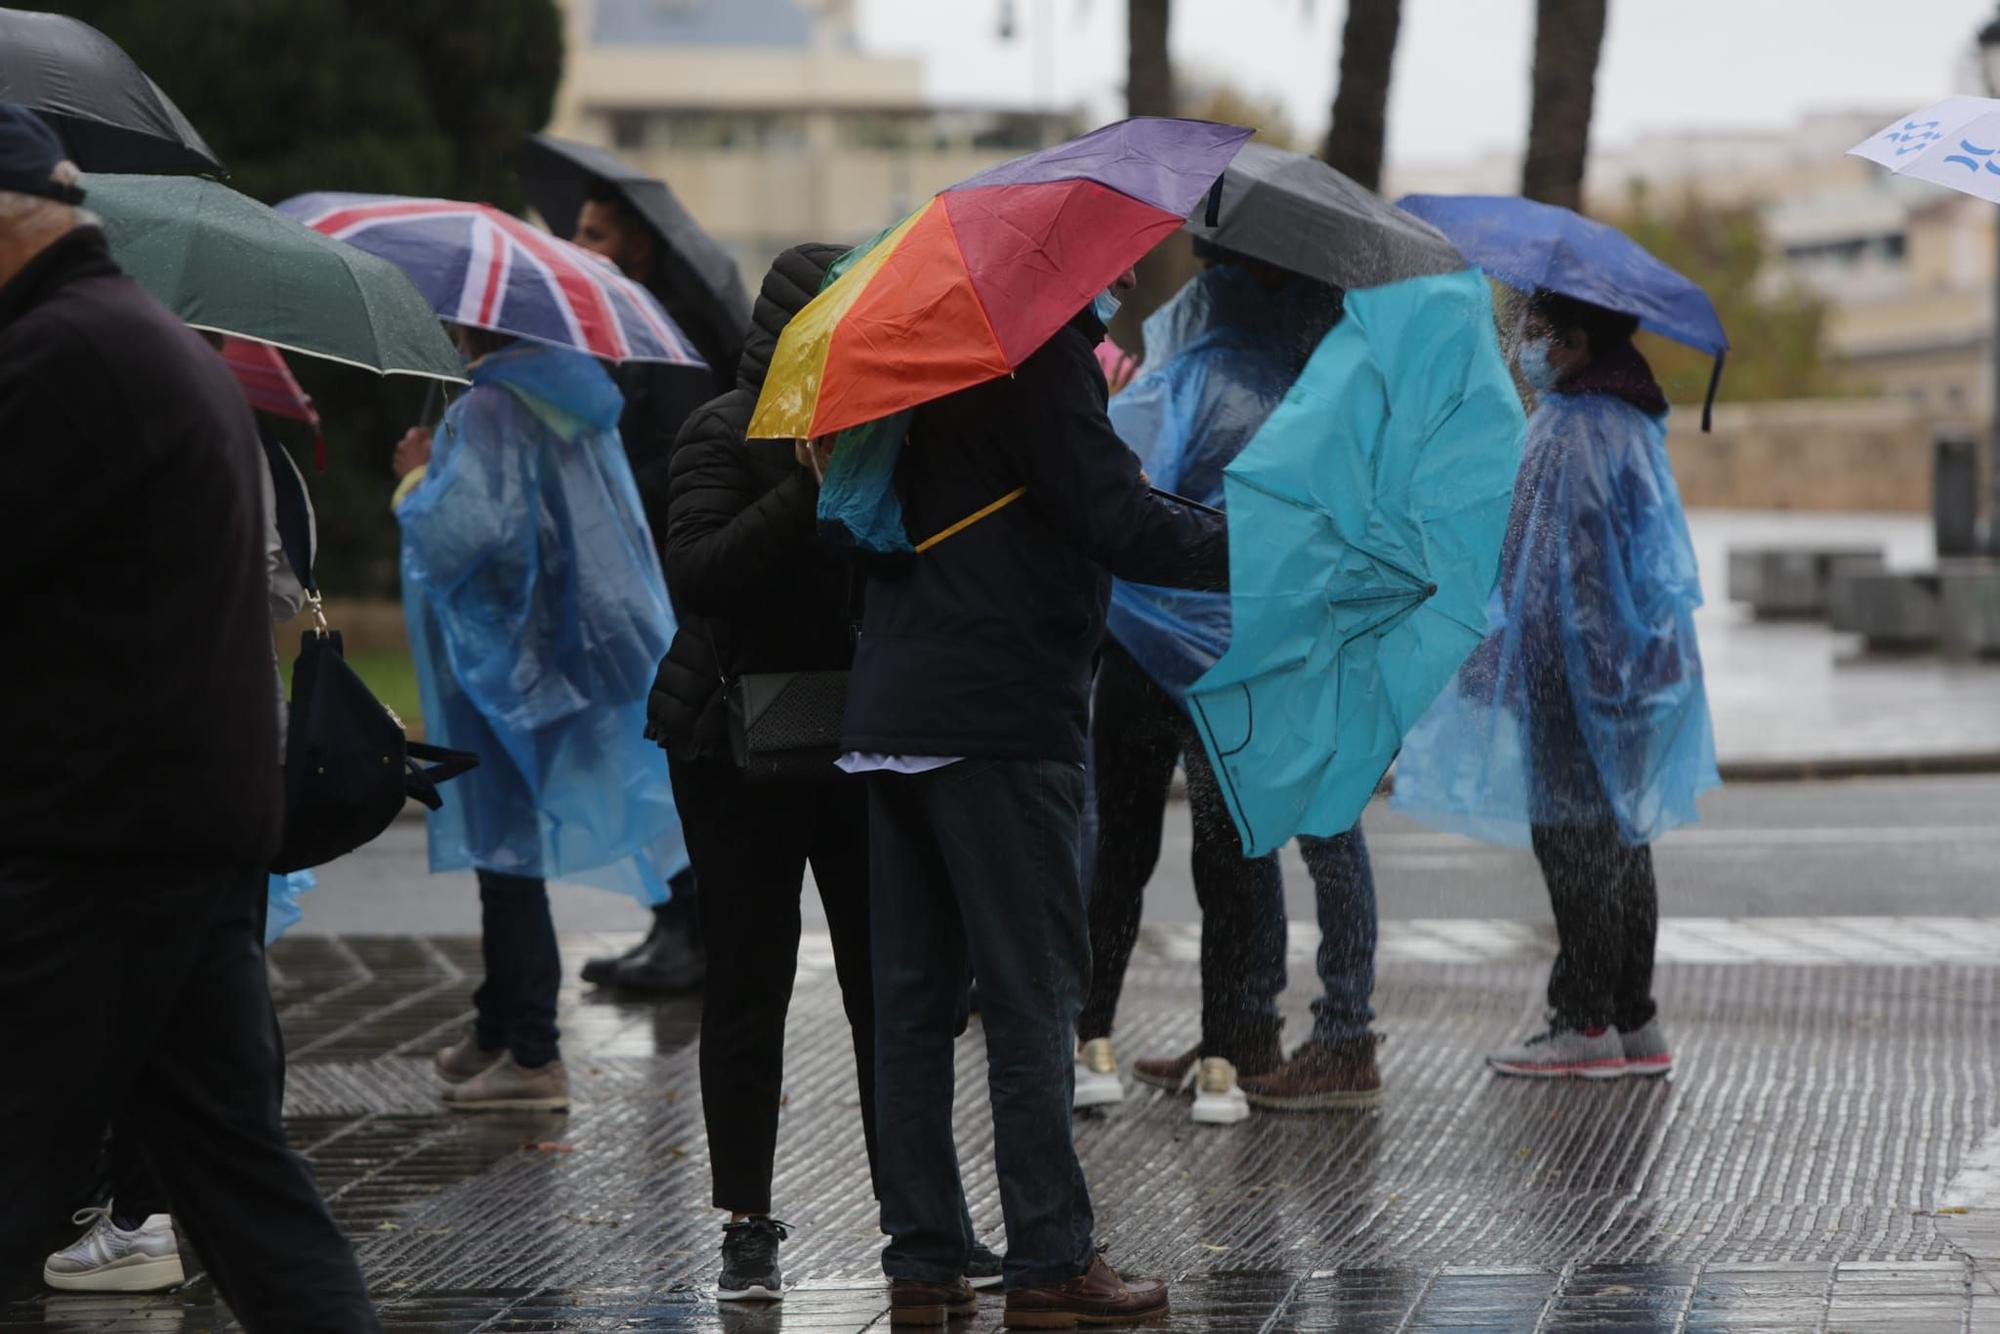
pixel 1361 104
pixel 1569 35
pixel 1149 72
pixel 1149 91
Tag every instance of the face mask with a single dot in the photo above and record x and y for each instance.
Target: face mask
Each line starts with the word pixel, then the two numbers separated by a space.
pixel 1105 305
pixel 1533 362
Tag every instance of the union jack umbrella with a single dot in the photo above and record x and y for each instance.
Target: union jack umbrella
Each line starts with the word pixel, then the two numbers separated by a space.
pixel 481 267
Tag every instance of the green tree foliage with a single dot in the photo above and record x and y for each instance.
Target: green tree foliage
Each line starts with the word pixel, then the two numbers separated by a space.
pixel 423 97
pixel 1774 334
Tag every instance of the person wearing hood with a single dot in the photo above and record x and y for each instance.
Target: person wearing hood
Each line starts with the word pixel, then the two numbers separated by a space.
pixel 758 592
pixel 968 709
pixel 1580 725
pixel 658 399
pixel 537 616
pixel 1220 357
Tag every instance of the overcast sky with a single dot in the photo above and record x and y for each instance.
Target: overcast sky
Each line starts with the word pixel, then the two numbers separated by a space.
pixel 1461 78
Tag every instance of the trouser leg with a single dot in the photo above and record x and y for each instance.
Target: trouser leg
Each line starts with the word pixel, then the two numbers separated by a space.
pixel 1133 743
pixel 840 869
pixel 1243 927
pixel 516 1004
pixel 1581 864
pixel 749 842
pixel 1639 896
pixel 1344 900
pixel 1006 832
pixel 918 952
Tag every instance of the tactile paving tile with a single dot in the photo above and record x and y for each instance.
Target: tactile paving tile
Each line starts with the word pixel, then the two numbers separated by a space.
pixel 1817 1114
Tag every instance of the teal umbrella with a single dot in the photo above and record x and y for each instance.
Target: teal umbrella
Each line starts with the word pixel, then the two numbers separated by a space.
pixel 222 261
pixel 1365 521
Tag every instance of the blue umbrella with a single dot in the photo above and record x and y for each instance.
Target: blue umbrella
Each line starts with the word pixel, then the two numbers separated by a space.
pixel 1365 520
pixel 1527 245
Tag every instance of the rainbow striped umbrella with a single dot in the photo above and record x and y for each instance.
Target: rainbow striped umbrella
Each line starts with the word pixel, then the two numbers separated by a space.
pixel 965 288
pixel 481 267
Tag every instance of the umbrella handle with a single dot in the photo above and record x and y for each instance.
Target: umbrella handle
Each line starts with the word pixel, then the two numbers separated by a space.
pixel 1195 505
pixel 1714 383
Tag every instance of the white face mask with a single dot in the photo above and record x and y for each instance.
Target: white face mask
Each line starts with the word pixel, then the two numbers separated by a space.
pixel 1532 360
pixel 1105 304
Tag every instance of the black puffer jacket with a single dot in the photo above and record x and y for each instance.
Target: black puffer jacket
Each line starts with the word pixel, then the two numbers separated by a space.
pixel 754 588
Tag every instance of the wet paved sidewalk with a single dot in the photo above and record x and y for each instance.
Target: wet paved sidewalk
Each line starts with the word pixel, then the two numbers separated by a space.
pixel 1787 695
pixel 1796 1173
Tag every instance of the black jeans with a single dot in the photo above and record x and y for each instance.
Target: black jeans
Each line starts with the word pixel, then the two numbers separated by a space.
pixel 978 862
pixel 1137 734
pixel 1607 910
pixel 143 985
pixel 516 1001
pixel 750 843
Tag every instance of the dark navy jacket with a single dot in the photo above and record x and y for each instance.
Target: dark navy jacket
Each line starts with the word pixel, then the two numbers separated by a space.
pixel 983 646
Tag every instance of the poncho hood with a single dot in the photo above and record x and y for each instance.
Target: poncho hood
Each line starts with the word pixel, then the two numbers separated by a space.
pixel 555 383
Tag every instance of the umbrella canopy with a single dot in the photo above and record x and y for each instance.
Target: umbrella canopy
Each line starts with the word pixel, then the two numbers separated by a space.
pixel 222 261
pixel 267 381
pixel 480 267
pixel 1365 522
pixel 1529 245
pixel 109 114
pixel 696 281
pixel 1955 143
pixel 1298 213
pixel 969 285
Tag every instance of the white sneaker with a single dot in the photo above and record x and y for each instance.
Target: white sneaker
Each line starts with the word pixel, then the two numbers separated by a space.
pixel 1097 1082
pixel 1217 1099
pixel 107 1258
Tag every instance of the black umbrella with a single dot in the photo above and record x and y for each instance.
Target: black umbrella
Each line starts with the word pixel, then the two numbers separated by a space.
pixel 1300 214
pixel 111 117
pixel 697 280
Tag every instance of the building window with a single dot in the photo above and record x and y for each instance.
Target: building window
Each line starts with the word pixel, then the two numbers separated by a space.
pixel 628 129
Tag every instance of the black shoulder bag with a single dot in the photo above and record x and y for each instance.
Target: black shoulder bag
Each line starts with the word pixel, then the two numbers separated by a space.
pixel 349 766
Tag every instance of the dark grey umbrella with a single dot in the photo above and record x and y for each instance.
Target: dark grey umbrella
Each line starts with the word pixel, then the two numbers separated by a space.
pixel 698 282
pixel 111 117
pixel 1298 213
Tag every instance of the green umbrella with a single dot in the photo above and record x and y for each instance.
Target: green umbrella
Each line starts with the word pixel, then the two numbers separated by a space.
pixel 222 261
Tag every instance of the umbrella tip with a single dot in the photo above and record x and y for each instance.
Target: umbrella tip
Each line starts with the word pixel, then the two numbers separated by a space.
pixel 1430 591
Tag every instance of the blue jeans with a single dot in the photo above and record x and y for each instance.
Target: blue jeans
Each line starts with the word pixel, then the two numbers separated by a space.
pixel 977 863
pixel 516 1003
pixel 1344 896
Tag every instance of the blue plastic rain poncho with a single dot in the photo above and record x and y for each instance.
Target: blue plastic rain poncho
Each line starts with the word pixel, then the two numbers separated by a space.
pixel 537 616
pixel 1220 356
pixel 1585 704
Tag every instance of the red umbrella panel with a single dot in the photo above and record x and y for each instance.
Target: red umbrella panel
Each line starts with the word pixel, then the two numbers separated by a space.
pixel 968 286
pixel 271 387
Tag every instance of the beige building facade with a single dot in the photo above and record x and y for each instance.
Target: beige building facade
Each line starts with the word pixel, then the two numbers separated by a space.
pixel 769 121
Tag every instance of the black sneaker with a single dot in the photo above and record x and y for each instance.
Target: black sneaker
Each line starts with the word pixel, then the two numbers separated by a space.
pixel 982 1267
pixel 750 1261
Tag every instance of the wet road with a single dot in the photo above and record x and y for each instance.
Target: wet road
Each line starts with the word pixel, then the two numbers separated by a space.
pixel 1919 847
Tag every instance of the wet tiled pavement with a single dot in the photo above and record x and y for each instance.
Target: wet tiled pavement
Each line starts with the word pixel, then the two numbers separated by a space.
pixel 1796 1173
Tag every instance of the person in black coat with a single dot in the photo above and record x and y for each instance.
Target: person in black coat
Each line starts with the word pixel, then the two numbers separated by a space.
pixel 139 801
pixel 658 400
pixel 757 592
pixel 969 707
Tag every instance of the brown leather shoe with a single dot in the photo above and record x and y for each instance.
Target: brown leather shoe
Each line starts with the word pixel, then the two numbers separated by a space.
pixel 1321 1076
pixel 1176 1073
pixel 1166 1072
pixel 1097 1297
pixel 912 1302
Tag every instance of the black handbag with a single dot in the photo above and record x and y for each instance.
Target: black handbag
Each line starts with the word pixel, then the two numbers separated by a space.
pixel 349 765
pixel 784 727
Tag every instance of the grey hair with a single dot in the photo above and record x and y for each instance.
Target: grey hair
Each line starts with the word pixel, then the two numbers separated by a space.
pixel 33 212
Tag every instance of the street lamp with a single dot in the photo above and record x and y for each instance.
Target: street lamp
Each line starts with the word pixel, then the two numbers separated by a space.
pixel 1989 71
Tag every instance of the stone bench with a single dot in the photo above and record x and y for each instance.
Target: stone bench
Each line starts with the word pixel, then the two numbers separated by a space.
pixel 1793 582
